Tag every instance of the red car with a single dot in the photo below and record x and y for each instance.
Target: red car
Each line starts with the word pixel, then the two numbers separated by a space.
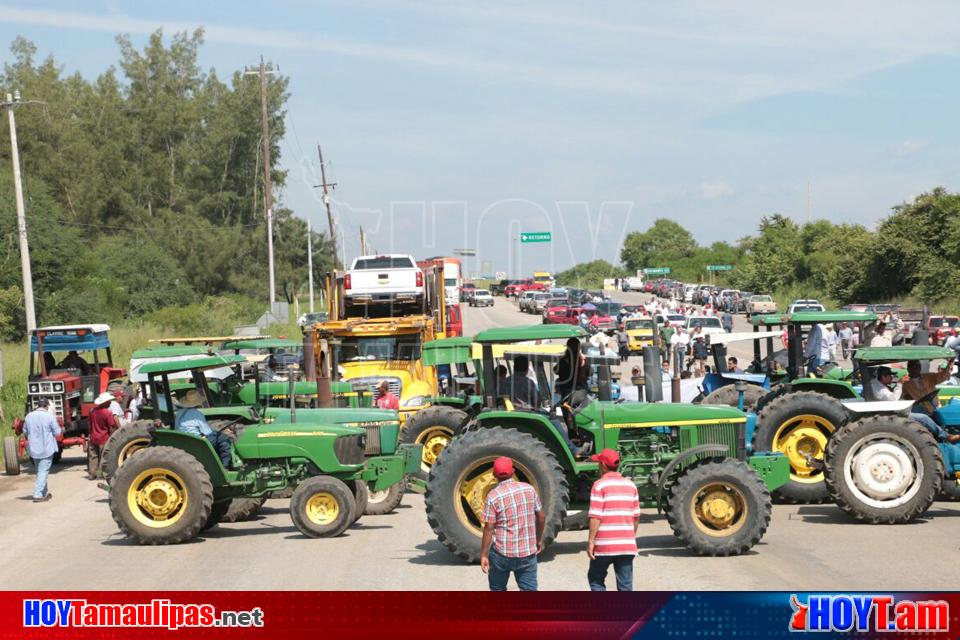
pixel 454 321
pixel 562 315
pixel 941 327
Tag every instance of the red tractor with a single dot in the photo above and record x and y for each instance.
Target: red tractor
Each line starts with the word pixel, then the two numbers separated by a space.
pixel 69 380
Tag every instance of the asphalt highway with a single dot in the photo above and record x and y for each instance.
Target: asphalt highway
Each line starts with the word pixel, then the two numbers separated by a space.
pixel 72 542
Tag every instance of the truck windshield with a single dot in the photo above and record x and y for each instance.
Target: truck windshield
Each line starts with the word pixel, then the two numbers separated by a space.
pixel 638 324
pixel 402 347
pixel 383 262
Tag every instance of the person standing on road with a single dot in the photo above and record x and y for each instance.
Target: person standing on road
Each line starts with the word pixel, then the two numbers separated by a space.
pixel 727 321
pixel 846 340
pixel 880 336
pixel 41 429
pixel 700 354
pixel 385 398
pixel 513 523
pixel 614 518
pixel 103 423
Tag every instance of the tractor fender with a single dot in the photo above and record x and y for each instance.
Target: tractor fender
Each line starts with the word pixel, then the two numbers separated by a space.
pixel 837 388
pixel 199 448
pixel 536 424
pixel 685 455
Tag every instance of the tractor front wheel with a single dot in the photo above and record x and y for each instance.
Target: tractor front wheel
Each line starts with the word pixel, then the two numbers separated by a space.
pixel 884 469
pixel 10 460
pixel 123 443
pixel 162 495
pixel 719 507
pixel 322 507
pixel 434 428
pixel 217 512
pixel 799 425
pixel 384 502
pixel 462 478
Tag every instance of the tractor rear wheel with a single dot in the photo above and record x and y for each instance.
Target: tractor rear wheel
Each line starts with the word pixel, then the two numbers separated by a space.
pixel 10 460
pixel 384 502
pixel 217 512
pixel 950 491
pixel 434 428
pixel 729 396
pixel 463 476
pixel 799 424
pixel 719 507
pixel 243 509
pixel 162 495
pixel 123 443
pixel 884 469
pixel 322 507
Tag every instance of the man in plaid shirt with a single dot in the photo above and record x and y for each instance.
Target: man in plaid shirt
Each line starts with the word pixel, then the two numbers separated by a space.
pixel 512 531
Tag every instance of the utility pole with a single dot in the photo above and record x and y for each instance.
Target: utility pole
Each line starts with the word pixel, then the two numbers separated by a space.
pixel 310 261
pixel 326 201
pixel 363 241
pixel 21 216
pixel 267 185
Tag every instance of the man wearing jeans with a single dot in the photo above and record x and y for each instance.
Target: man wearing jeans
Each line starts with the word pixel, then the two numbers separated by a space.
pixel 614 517
pixel 41 429
pixel 512 531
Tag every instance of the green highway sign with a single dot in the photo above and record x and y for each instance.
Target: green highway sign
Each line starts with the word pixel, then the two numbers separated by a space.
pixel 719 267
pixel 650 271
pixel 536 236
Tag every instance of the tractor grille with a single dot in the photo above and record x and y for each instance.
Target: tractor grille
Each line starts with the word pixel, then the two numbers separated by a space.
pixel 349 449
pixel 393 383
pixel 373 441
pixel 731 435
pixel 56 401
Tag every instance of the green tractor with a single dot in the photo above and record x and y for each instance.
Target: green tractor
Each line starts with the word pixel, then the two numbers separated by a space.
pixel 176 486
pixel 689 461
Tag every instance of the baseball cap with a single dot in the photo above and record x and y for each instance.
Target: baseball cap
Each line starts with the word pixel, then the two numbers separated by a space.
pixel 503 467
pixel 608 457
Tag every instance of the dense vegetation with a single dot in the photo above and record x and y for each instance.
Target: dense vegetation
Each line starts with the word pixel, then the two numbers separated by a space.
pixel 144 190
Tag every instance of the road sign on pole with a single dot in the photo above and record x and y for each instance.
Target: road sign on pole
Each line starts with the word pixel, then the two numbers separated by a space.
pixel 719 267
pixel 652 271
pixel 536 236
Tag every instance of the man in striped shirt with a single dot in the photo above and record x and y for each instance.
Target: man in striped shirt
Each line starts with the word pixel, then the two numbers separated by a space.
pixel 512 531
pixel 614 517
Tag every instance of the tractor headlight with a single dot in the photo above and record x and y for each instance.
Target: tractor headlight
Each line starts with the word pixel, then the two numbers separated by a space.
pixel 415 401
pixel 58 387
pixel 34 388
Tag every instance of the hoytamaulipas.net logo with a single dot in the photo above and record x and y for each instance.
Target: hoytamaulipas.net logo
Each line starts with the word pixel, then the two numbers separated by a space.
pixel 156 613
pixel 844 612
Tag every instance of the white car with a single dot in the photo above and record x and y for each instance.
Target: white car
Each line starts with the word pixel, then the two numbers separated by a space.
pixel 709 325
pixel 525 300
pixel 383 279
pixel 673 319
pixel 481 298
pixel 805 305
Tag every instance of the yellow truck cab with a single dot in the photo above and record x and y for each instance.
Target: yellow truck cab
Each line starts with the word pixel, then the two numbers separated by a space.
pixel 640 333
pixel 369 350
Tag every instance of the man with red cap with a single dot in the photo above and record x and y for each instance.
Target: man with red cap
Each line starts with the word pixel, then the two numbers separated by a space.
pixel 614 517
pixel 513 522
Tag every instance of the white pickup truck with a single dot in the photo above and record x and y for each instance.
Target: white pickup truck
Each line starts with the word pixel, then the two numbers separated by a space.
pixel 393 278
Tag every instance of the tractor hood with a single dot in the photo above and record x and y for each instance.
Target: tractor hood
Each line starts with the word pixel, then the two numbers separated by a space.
pixel 329 447
pixel 632 415
pixel 341 416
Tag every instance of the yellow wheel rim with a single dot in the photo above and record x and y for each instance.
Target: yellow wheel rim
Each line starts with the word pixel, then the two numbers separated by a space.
pixel 434 440
pixel 131 448
pixel 322 508
pixel 473 486
pixel 719 510
pixel 157 498
pixel 799 437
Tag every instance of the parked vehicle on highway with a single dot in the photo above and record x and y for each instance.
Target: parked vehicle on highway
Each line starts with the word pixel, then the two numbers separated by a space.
pixel 801 306
pixel 941 327
pixel 709 325
pixel 632 284
pixel 640 333
pixel 677 320
pixel 481 298
pixel 384 279
pixel 559 296
pixel 761 304
pixel 466 291
pixel 562 314
pixel 539 302
pixel 524 300
pixel 454 326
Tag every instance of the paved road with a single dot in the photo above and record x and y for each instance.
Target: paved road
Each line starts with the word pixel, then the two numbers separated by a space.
pixel 71 542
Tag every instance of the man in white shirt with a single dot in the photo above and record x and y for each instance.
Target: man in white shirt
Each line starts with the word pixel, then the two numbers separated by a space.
pixel 882 391
pixel 880 336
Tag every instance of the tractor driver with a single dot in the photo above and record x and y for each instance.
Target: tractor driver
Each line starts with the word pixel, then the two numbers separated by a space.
pixel 190 420
pixel 74 361
pixel 922 387
pixel 881 387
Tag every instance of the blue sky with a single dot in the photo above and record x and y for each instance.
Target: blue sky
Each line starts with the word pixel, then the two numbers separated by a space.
pixel 454 124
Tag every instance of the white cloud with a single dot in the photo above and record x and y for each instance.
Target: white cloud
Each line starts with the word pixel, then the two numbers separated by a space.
pixel 714 190
pixel 911 147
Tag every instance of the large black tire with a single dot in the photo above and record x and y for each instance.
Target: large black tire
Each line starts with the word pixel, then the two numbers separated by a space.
pixel 173 484
pixel 729 396
pixel 432 427
pixel 812 417
pixel 383 502
pixel 10 461
pixel 217 512
pixel 577 522
pixel 884 469
pixel 323 507
pixel 361 496
pixel 123 443
pixel 470 456
pixel 776 392
pixel 950 491
pixel 243 509
pixel 737 488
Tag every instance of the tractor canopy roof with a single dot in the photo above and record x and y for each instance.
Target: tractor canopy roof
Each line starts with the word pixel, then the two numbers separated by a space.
pixel 812 317
pixel 191 364
pixel 74 337
pixel 169 351
pixel 203 339
pixel 899 354
pixel 531 333
pixel 447 351
pixel 264 343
